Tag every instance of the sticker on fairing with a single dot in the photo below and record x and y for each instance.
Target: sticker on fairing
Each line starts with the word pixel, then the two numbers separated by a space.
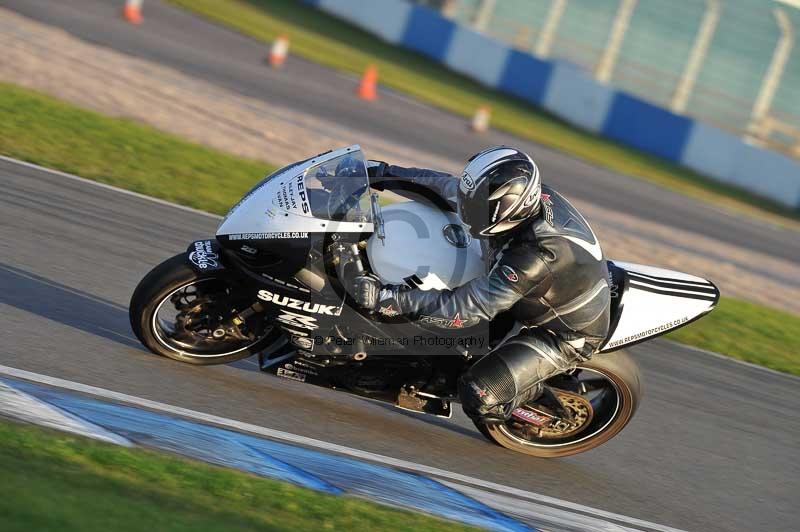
pixel 291 196
pixel 303 342
pixel 203 256
pixel 293 375
pixel 281 235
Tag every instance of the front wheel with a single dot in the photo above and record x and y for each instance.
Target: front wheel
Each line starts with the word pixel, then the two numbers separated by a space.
pixel 601 395
pixel 178 313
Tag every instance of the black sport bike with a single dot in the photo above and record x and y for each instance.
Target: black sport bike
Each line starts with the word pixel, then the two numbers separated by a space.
pixel 273 283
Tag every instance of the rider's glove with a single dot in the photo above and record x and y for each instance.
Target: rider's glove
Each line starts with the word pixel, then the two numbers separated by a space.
pixel 376 170
pixel 366 291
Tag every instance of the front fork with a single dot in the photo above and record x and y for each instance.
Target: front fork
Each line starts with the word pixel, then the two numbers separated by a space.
pixel 233 325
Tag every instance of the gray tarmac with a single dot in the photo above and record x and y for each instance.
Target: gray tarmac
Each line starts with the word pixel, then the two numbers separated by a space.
pixel 713 446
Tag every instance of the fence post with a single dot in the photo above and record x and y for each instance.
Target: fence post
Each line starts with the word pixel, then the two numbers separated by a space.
pixel 697 56
pixel 772 78
pixel 483 15
pixel 605 67
pixel 550 27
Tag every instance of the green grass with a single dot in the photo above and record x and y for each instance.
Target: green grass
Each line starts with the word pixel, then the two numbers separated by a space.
pixel 747 331
pixel 57 481
pixel 45 131
pixel 336 44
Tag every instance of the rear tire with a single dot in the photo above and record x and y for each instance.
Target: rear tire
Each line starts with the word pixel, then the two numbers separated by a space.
pixel 155 288
pixel 622 372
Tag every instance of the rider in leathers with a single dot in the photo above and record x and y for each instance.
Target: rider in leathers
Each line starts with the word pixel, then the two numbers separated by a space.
pixel 546 267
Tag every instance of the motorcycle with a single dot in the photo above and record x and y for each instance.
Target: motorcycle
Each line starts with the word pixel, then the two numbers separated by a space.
pixel 274 283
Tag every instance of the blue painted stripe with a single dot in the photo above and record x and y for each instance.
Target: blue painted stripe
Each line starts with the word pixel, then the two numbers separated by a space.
pixel 428 33
pixel 215 446
pixel 299 475
pixel 526 77
pixel 647 127
pixel 305 467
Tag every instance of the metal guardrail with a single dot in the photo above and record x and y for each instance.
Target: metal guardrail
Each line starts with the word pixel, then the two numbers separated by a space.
pixel 725 62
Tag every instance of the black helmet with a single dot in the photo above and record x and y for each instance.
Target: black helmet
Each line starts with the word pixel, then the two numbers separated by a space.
pixel 500 188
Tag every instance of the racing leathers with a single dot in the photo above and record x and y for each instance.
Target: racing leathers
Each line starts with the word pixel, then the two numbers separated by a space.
pixel 548 273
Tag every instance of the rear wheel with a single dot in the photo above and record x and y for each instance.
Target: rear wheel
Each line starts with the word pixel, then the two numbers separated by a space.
pixel 183 315
pixel 601 397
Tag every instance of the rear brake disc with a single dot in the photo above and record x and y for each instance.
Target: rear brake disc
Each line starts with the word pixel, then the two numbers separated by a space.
pixel 579 406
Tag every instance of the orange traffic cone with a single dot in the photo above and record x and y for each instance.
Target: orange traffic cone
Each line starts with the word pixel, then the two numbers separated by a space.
pixel 480 121
pixel 132 12
pixel 367 88
pixel 279 51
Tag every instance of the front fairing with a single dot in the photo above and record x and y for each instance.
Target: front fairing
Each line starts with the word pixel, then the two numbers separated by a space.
pixel 277 226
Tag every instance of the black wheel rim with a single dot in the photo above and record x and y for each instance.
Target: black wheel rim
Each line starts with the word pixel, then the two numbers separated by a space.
pixel 603 394
pixel 191 320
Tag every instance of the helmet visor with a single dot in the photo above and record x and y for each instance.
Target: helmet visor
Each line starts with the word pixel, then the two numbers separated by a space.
pixel 474 216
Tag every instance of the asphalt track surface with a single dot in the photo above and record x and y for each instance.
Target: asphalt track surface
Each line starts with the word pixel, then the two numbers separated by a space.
pixel 713 447
pixel 187 43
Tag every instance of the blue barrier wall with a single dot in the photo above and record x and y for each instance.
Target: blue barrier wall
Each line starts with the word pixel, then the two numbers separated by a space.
pixel 573 95
pixel 526 77
pixel 713 152
pixel 644 126
pixel 428 33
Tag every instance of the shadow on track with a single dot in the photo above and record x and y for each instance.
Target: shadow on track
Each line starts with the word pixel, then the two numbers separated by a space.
pixel 444 423
pixel 54 301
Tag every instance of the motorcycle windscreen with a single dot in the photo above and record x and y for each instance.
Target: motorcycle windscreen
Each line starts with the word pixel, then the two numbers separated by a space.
pixel 327 193
pixel 337 189
pixel 652 301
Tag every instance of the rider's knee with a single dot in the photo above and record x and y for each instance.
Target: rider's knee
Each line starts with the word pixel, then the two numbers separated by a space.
pixel 508 377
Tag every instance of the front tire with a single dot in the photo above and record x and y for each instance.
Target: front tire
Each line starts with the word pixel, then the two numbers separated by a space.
pixel 175 283
pixel 621 373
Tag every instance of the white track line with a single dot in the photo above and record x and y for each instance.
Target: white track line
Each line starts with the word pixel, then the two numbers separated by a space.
pixel 217 217
pixel 566 506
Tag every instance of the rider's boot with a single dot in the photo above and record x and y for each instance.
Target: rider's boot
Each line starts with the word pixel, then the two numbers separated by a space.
pixel 513 374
